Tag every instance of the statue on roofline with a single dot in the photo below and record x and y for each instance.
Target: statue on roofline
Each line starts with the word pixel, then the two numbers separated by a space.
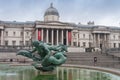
pixel 45 55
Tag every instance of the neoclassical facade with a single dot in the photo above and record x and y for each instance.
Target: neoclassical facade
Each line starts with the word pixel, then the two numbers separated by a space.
pixel 53 31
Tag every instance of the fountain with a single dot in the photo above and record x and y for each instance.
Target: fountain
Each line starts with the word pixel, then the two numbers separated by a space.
pixel 51 57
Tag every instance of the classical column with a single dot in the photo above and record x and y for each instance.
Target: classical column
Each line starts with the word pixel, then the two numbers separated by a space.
pixel 108 39
pixel 47 36
pixel 62 37
pixel 105 37
pixel 105 40
pixel 1 37
pixel 36 34
pixel 98 40
pixel 77 39
pixel 94 40
pixel 24 36
pixel 42 34
pixel 66 37
pixel 57 36
pixel 52 36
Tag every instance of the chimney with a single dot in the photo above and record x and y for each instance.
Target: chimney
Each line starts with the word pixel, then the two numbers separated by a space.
pixel 90 23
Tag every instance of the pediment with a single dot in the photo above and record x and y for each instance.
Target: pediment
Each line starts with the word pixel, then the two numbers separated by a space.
pixel 58 23
pixel 54 24
pixel 102 27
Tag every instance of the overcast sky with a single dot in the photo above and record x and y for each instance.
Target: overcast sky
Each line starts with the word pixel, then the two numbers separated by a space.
pixel 102 12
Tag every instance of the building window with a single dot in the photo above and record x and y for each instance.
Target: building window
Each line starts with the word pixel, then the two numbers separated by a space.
pixel 119 37
pixel 78 36
pixel 73 34
pixel 78 44
pixel 6 33
pixel 114 44
pixel 119 45
pixel 90 37
pixel 74 43
pixel 114 37
pixel 6 43
pixel 13 33
pixel 84 44
pixel 90 44
pixel 83 35
pixel 27 43
pixel 21 33
pixel 27 33
pixel 21 43
pixel 101 36
pixel 13 43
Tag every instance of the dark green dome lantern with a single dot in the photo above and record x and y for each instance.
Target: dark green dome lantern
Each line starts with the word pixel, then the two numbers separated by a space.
pixel 51 14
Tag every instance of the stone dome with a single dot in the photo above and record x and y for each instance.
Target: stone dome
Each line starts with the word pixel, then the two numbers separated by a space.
pixel 51 11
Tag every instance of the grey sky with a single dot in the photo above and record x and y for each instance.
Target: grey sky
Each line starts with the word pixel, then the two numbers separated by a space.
pixel 102 12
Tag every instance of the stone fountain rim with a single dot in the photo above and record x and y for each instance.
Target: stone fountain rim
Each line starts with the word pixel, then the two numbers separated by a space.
pixel 109 70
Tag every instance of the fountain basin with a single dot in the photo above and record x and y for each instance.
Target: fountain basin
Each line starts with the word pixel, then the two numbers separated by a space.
pixel 65 72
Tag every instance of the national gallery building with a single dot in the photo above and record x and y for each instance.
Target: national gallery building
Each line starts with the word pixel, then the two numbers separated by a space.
pixel 53 31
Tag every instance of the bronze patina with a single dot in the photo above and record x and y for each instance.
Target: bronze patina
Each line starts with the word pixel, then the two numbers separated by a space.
pixel 49 56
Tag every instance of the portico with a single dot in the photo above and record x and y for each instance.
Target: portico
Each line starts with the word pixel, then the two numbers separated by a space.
pixel 54 36
pixel 53 31
pixel 101 37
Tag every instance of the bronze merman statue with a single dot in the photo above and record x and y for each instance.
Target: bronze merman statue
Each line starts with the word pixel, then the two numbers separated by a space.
pixel 45 57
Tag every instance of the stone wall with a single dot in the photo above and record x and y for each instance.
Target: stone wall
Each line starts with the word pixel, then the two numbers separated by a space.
pixel 11 56
pixel 76 49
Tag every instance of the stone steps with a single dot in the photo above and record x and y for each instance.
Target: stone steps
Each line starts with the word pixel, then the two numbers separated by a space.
pixel 88 59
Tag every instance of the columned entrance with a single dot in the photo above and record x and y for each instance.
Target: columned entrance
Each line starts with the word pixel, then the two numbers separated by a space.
pixel 54 36
pixel 100 40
